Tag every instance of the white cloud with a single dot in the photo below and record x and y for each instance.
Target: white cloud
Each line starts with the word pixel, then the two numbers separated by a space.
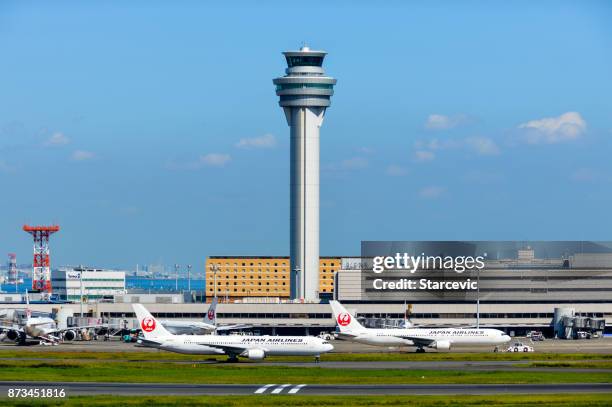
pixel 57 139
pixel 483 145
pixel 396 171
pixel 265 141
pixel 82 155
pixel 443 122
pixel 432 192
pixel 567 127
pixel 214 159
pixel 424 155
pixel 366 150
pixel 584 175
pixel 354 163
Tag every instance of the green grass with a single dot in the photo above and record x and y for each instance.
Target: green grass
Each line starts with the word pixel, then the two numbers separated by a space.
pixel 331 401
pixel 251 373
pixel 356 357
pixel 594 364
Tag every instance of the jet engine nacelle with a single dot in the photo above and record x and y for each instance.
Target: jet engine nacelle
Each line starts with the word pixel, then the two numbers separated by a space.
pixel 12 335
pixel 69 336
pixel 441 345
pixel 254 354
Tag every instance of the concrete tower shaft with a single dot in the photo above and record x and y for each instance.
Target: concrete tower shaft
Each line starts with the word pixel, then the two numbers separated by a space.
pixel 304 94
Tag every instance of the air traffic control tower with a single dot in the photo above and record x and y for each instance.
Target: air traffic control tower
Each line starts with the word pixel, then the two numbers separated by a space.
pixel 304 94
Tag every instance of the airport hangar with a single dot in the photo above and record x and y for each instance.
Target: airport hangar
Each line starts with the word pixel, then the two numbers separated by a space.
pixel 514 296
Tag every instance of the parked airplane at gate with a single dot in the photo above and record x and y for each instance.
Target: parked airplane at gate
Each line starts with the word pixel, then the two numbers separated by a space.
pixel 209 324
pixel 252 347
pixel 41 328
pixel 421 338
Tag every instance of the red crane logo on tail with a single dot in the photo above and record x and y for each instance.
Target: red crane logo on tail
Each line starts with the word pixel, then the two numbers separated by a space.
pixel 148 324
pixel 344 319
pixel 211 314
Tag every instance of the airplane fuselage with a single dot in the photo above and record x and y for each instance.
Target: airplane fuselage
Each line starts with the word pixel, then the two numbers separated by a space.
pixel 270 345
pixel 454 337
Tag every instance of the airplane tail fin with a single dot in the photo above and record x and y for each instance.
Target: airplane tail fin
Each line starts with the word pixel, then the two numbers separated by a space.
pixel 347 322
pixel 211 315
pixel 151 328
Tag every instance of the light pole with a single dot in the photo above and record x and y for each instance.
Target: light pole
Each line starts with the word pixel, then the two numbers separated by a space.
pixel 176 269
pixel 189 277
pixel 81 284
pixel 297 282
pixel 214 268
pixel 478 295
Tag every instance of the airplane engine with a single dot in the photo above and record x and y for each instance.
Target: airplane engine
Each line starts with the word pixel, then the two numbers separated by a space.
pixel 12 335
pixel 441 345
pixel 69 336
pixel 254 354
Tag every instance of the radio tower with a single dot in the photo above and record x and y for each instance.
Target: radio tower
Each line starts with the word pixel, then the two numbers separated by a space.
pixel 41 270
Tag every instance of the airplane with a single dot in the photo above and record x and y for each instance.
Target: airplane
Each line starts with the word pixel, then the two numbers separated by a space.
pixel 251 347
pixel 209 324
pixel 41 328
pixel 421 338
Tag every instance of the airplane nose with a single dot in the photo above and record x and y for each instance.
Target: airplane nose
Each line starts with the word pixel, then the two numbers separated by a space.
pixel 328 347
pixel 506 338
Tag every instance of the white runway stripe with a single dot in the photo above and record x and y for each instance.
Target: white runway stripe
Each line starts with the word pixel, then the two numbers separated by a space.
pixel 280 388
pixel 296 388
pixel 264 388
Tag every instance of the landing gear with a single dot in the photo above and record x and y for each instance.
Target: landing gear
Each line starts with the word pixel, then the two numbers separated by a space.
pixel 420 350
pixel 317 358
pixel 232 359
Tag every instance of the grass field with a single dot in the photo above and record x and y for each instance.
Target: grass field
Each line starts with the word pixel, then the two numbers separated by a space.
pixel 331 401
pixel 253 373
pixel 356 357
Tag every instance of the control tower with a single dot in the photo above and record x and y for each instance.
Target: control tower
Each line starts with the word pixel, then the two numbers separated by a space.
pixel 305 92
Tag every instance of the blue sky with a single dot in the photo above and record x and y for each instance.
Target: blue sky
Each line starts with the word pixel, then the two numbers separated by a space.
pixel 151 132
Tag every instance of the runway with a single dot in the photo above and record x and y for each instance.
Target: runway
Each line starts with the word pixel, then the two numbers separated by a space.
pixel 125 389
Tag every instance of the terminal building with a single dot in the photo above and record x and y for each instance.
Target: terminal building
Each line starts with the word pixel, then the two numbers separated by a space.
pixel 517 295
pixel 87 284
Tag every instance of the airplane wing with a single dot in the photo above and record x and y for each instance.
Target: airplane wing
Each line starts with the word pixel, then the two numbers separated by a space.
pixel 233 327
pixel 228 349
pixel 344 335
pixel 418 341
pixel 148 342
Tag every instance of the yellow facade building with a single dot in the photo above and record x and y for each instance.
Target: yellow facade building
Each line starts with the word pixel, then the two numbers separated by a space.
pixel 242 276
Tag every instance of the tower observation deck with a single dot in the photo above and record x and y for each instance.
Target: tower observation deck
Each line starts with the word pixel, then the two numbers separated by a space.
pixel 304 94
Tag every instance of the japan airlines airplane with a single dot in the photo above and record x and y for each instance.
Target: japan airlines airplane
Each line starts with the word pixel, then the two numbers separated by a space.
pixel 421 338
pixel 252 347
pixel 209 324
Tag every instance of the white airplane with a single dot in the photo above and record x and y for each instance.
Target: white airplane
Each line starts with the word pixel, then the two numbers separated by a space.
pixel 421 338
pixel 252 347
pixel 209 324
pixel 41 328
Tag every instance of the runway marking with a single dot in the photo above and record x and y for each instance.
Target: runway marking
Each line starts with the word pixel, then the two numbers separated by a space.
pixel 280 388
pixel 264 388
pixel 296 388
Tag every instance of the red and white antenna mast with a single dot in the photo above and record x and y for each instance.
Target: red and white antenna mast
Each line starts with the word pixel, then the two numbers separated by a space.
pixel 41 269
